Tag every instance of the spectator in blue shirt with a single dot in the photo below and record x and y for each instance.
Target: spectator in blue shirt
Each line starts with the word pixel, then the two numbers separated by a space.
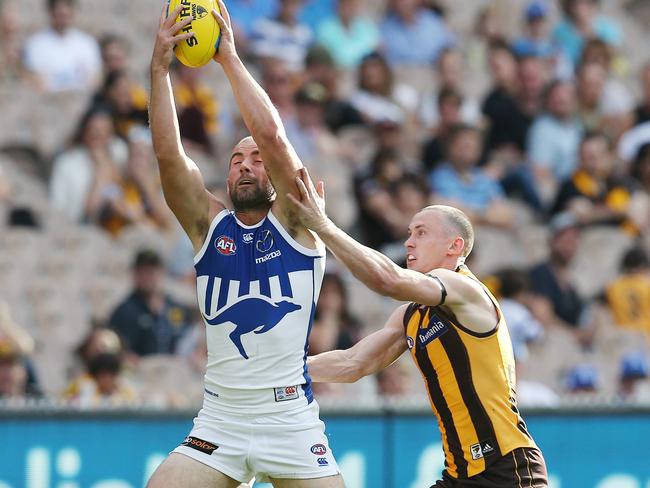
pixel 313 12
pixel 348 35
pixel 554 137
pixel 581 22
pixel 461 183
pixel 414 35
pixel 283 37
pixel 246 13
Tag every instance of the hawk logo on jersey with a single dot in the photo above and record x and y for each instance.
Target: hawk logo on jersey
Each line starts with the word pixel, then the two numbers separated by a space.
pixel 481 449
pixel 252 314
pixel 265 242
pixel 225 245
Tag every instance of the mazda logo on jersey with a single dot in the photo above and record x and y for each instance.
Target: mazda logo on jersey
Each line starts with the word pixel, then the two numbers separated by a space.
pixel 265 242
pixel 225 245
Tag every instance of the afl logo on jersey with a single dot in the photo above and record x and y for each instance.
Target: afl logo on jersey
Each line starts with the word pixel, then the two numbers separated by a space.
pixel 225 245
pixel 409 342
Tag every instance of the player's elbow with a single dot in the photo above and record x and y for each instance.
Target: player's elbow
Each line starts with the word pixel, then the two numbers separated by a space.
pixel 168 155
pixel 270 135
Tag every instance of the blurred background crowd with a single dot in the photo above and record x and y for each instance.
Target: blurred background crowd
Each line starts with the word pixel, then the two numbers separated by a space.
pixel 532 117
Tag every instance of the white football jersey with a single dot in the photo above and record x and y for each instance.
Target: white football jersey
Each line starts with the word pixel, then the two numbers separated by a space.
pixel 257 290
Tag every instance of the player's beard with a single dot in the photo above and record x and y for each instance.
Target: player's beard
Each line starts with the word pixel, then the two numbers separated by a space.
pixel 252 198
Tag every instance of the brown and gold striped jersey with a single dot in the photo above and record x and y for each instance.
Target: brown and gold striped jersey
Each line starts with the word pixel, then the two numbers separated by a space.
pixel 470 378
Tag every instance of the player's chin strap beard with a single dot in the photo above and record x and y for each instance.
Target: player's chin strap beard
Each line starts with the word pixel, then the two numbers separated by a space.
pixel 259 200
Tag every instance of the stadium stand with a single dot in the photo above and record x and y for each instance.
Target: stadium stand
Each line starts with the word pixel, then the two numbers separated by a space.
pixel 62 278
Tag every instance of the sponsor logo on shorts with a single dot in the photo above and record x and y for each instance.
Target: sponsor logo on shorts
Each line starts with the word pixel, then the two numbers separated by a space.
pixel 285 393
pixel 225 245
pixel 318 449
pixel 322 461
pixel 481 449
pixel 211 393
pixel 248 238
pixel 199 444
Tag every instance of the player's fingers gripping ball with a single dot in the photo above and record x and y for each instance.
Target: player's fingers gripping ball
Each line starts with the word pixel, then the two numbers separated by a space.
pixel 199 49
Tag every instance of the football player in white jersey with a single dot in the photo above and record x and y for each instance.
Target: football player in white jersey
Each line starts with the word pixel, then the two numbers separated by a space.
pixel 258 278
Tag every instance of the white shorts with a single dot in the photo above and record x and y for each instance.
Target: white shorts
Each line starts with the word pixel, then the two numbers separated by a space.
pixel 286 445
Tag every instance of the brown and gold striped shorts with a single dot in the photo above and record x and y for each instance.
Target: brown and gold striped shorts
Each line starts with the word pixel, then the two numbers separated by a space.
pixel 522 468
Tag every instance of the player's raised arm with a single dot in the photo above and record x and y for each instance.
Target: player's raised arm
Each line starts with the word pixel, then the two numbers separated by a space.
pixel 260 116
pixel 370 355
pixel 181 179
pixel 375 270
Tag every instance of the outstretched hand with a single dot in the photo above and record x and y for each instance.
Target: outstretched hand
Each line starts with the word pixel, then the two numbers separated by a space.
pixel 168 36
pixel 310 209
pixel 226 49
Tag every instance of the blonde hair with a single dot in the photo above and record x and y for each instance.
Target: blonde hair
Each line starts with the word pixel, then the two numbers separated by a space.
pixel 459 222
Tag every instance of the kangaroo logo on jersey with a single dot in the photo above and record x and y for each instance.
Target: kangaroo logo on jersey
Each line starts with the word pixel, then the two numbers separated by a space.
pixel 225 245
pixel 265 242
pixel 252 314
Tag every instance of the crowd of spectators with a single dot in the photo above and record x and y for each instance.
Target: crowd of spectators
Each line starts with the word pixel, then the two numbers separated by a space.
pixel 528 115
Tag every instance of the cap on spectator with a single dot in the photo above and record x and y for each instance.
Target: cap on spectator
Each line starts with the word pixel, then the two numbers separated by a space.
pixel 104 363
pixel 536 10
pixel 635 258
pixel 147 257
pixel 319 55
pixel 563 221
pixel 634 366
pixel 23 217
pixel 312 93
pixel 583 377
